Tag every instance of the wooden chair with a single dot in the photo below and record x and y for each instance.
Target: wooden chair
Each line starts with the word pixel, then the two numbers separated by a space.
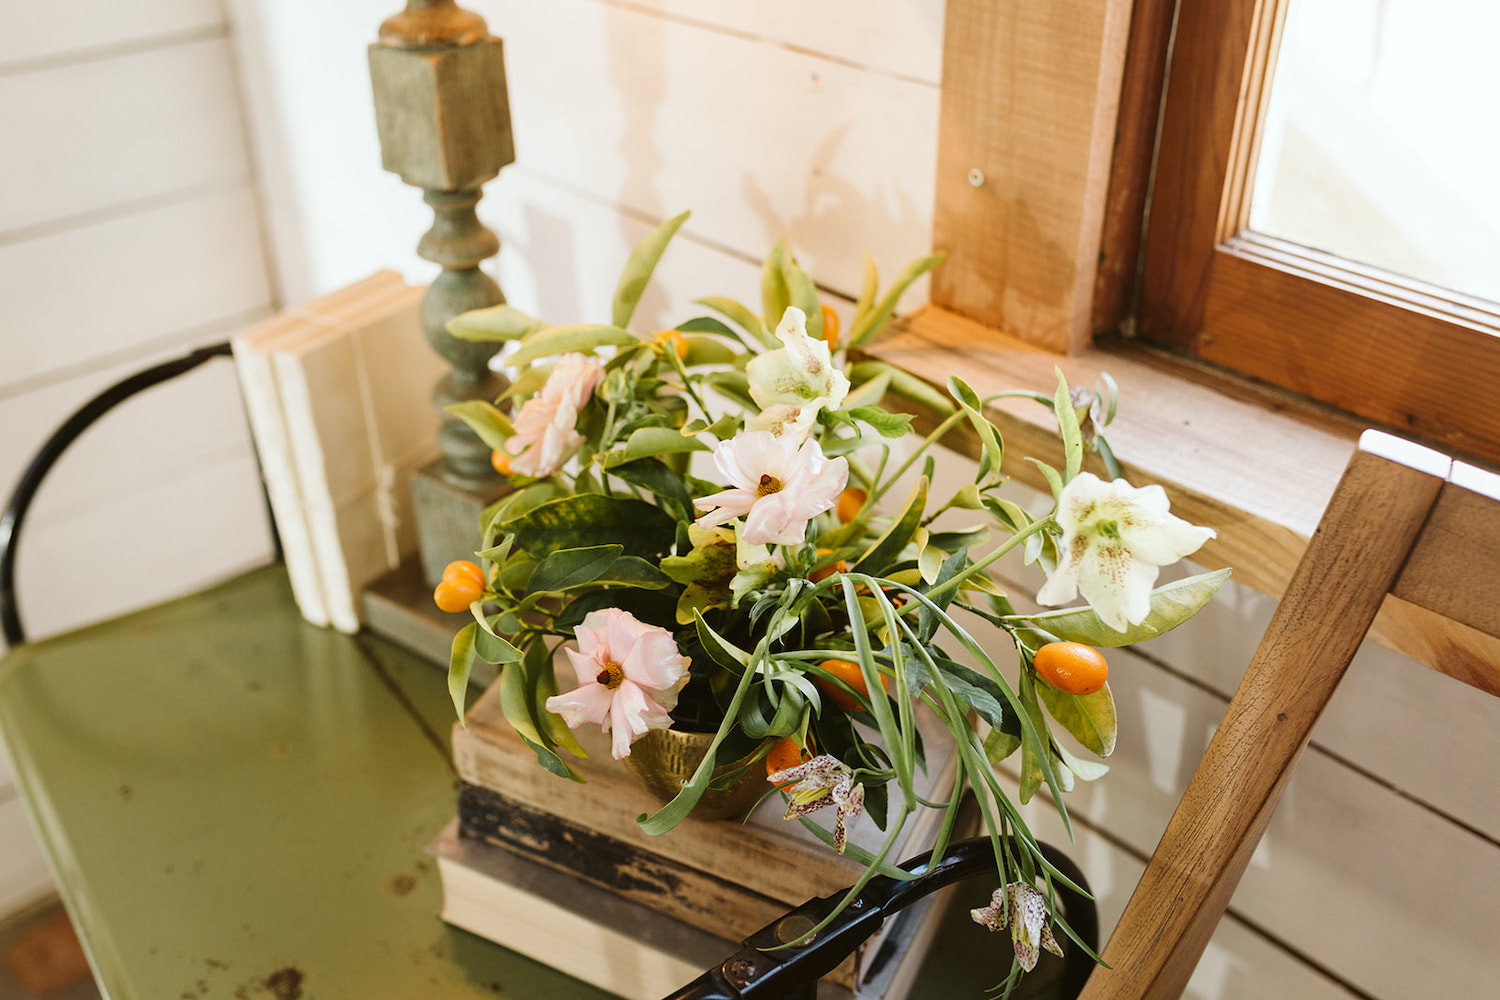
pixel 1404 521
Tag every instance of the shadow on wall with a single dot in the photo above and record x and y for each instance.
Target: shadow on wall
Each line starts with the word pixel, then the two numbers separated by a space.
pixel 819 230
pixel 637 57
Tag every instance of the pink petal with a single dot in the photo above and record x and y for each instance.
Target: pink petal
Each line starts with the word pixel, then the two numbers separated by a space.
pixel 590 703
pixel 655 662
pixel 632 715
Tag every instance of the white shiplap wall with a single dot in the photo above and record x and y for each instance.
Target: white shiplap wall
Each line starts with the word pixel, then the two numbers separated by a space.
pixel 817 121
pixel 129 233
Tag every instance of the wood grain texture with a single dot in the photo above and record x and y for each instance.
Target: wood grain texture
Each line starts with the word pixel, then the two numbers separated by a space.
pixel 1378 345
pixel 1197 134
pixel 1380 349
pixel 1259 477
pixel 1355 556
pixel 770 862
pixel 1141 92
pixel 1029 98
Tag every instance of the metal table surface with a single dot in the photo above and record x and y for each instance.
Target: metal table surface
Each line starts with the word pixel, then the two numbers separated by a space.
pixel 235 804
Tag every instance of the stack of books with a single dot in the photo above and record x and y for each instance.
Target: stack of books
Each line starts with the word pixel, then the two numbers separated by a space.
pixel 563 873
pixel 337 392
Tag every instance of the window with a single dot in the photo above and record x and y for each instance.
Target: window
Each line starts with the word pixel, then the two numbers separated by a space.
pixel 1391 349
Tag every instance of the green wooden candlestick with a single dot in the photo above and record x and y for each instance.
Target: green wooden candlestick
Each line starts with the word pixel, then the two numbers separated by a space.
pixel 443 117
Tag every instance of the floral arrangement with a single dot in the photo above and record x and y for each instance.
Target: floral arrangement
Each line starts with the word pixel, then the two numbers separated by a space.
pixel 698 522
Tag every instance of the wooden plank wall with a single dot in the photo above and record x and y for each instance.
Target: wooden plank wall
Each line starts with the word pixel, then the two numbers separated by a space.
pixel 129 233
pixel 819 122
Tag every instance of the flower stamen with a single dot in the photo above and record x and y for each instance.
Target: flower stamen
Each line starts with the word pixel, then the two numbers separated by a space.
pixel 768 484
pixel 610 676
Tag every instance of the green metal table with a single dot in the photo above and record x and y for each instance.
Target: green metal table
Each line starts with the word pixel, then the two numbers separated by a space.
pixel 235 804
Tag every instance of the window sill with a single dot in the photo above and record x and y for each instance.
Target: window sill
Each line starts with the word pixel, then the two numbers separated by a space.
pixel 1256 466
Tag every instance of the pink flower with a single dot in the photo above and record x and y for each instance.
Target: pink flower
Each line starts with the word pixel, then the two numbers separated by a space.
pixel 629 674
pixel 776 485
pixel 544 436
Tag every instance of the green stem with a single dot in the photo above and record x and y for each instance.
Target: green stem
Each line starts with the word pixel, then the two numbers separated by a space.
pixel 999 552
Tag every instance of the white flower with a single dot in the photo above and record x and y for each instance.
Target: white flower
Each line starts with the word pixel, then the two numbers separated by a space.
pixel 776 485
pixel 1114 539
pixel 1024 909
pixel 629 674
pixel 544 435
pixel 791 385
pixel 822 781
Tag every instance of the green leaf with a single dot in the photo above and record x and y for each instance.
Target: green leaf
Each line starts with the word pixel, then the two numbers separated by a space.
pixel 994 447
pixel 492 648
pixel 633 571
pixel 869 288
pixel 1087 770
pixel 653 441
pixel 706 324
pixel 668 487
pixel 981 694
pixel 460 664
pixel 569 568
pixel 493 323
pixel 492 426
pixel 804 295
pixel 1171 605
pixel 889 545
pixel 747 320
pixel 638 268
pixel 869 326
pixel 708 351
pixel 998 745
pixel 580 520
pixel 719 649
pixel 1054 481
pixel 584 337
pixel 1067 422
pixel 891 425
pixel 774 294
pixel 1032 772
pixel 1089 718
pixel 869 392
pixel 903 384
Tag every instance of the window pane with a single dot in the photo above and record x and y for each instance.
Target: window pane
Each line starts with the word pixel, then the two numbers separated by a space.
pixel 1382 140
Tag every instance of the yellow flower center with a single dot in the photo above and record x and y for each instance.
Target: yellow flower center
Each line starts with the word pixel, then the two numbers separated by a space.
pixel 611 676
pixel 768 484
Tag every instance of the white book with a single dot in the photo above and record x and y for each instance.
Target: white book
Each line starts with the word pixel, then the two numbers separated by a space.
pixel 356 404
pixel 252 362
pixel 337 390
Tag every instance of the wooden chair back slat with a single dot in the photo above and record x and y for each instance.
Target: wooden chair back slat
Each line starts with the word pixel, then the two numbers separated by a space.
pixel 1394 516
pixel 1454 569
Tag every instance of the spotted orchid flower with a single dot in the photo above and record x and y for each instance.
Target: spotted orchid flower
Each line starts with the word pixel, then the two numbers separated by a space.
pixel 792 384
pixel 1115 539
pixel 1024 909
pixel 629 675
pixel 776 485
pixel 824 780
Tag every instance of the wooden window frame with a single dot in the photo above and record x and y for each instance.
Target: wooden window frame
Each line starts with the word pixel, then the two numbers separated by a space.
pixel 1049 136
pixel 1417 358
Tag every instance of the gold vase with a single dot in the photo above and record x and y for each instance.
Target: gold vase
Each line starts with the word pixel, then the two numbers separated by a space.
pixel 664 760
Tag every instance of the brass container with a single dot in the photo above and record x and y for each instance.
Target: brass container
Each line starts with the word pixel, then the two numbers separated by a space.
pixel 664 760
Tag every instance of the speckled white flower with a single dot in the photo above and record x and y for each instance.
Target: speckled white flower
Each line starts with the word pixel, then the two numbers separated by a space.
pixel 1115 539
pixel 1024 909
pixel 629 675
pixel 824 780
pixel 776 485
pixel 792 384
